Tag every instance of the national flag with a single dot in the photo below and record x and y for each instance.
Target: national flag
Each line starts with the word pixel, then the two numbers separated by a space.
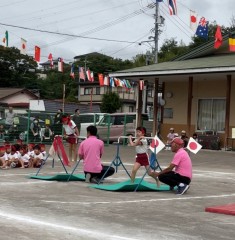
pixel 128 85
pixel 202 29
pixel 90 75
pixel 193 145
pixel 37 54
pixel 117 82
pixel 193 20
pixel 231 42
pixel 218 37
pixel 81 73
pixel 141 85
pixel 172 7
pixel 5 39
pixel 111 80
pixel 72 75
pixel 156 145
pixel 101 79
pixel 106 80
pixel 50 58
pixel 23 46
pixel 60 64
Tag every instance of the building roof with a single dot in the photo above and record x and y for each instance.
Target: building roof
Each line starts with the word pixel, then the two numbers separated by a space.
pixel 9 92
pixel 202 59
pixel 53 106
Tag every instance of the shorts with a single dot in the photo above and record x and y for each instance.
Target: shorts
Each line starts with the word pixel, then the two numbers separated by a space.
pixel 142 159
pixel 72 139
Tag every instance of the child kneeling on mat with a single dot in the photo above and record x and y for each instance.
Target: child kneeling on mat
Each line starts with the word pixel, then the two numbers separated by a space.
pixel 141 147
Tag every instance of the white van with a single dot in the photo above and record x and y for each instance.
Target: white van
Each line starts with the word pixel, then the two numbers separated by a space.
pixel 87 119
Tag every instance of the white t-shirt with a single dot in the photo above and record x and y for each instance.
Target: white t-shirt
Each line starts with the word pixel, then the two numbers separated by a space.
pixel 69 128
pixel 143 147
pixel 40 156
pixel 4 157
pixel 25 157
pixel 10 118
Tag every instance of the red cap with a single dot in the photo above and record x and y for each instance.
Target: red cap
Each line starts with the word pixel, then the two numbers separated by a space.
pixel 7 146
pixel 2 148
pixel 178 141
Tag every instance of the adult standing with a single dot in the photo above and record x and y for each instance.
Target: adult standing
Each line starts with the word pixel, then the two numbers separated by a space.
pixel 76 119
pixel 91 151
pixel 10 118
pixel 71 135
pixel 57 126
pixel 179 172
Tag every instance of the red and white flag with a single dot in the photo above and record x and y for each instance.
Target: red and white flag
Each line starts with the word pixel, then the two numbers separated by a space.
pixel 193 21
pixel 156 145
pixel 193 146
pixel 60 65
pixel 90 75
pixel 141 84
pixel 50 58
pixel 23 46
pixel 218 38
pixel 37 54
pixel 81 73
pixel 101 79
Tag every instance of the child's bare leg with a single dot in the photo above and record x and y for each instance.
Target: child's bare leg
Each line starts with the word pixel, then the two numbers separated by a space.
pixel 152 174
pixel 134 171
pixel 22 163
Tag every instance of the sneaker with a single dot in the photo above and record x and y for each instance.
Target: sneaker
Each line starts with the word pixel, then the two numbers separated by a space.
pixel 88 178
pixel 182 190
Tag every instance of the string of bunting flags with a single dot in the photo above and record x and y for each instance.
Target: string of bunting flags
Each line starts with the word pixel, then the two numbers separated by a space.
pixel 199 26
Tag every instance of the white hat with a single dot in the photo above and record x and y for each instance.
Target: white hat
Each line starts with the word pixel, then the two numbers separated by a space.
pixel 171 129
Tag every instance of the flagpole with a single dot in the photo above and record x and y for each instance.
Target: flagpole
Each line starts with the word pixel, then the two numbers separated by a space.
pixel 63 96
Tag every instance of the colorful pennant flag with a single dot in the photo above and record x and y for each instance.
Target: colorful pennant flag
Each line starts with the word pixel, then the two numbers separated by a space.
pixel 106 81
pixel 172 7
pixel 60 65
pixel 156 145
pixel 90 75
pixel 5 39
pixel 141 84
pixel 37 53
pixel 23 46
pixel 72 75
pixel 232 43
pixel 111 82
pixel 193 21
pixel 101 79
pixel 81 73
pixel 50 58
pixel 218 38
pixel 202 29
pixel 193 146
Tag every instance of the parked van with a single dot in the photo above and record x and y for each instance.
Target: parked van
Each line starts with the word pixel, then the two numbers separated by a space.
pixel 112 126
pixel 87 119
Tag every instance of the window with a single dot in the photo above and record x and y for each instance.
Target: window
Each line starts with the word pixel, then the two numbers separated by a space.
pixel 97 90
pixel 211 114
pixel 87 91
pixel 131 108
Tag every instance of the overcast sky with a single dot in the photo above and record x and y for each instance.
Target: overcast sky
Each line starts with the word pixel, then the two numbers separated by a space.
pixel 128 21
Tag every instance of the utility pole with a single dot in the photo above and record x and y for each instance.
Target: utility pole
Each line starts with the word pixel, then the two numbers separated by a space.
pixel 156 34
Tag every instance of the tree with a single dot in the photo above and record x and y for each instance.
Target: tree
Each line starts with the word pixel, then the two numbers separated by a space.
pixel 111 102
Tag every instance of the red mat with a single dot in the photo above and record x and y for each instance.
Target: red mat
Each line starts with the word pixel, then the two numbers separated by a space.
pixel 224 209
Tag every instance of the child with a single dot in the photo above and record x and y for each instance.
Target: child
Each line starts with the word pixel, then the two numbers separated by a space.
pixel 71 136
pixel 30 149
pixel 24 157
pixel 13 157
pixel 141 147
pixel 37 157
pixel 3 158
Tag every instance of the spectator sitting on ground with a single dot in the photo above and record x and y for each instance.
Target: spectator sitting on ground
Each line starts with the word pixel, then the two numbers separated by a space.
pixel 24 158
pixel 47 133
pixel 3 158
pixel 13 157
pixel 37 157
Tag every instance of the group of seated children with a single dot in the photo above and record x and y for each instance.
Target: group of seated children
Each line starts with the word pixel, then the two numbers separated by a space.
pixel 22 155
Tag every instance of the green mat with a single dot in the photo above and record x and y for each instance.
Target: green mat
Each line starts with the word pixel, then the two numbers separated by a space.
pixel 128 186
pixel 60 177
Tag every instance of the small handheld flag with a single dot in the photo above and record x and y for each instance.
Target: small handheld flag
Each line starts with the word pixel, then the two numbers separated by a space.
pixel 156 145
pixel 193 146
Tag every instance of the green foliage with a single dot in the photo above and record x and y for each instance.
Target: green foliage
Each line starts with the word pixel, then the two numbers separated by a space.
pixel 111 102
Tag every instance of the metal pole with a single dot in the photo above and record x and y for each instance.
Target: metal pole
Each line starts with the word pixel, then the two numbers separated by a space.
pixel 156 34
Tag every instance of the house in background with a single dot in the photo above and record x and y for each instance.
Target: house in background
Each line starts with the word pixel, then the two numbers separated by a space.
pixel 198 89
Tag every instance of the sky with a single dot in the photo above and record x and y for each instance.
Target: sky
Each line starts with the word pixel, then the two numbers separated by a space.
pixel 122 25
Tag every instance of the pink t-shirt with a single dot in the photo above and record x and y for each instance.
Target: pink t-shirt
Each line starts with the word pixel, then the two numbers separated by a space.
pixel 183 163
pixel 92 149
